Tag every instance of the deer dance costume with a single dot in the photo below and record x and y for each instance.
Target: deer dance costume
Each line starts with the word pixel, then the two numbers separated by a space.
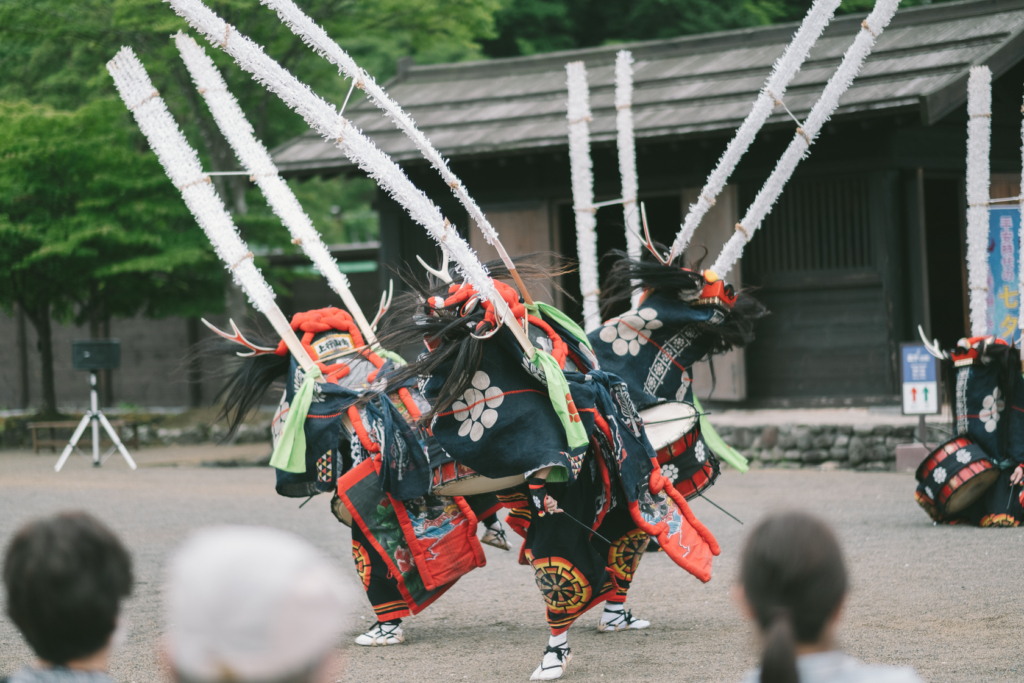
pixel 585 437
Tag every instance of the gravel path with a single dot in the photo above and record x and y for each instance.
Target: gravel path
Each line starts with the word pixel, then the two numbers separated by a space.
pixel 945 600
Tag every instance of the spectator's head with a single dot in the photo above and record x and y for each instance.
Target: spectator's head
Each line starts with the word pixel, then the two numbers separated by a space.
pixel 251 604
pixel 65 578
pixel 792 582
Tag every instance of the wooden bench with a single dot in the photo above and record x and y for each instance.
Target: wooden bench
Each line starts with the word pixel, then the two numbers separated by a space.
pixel 53 442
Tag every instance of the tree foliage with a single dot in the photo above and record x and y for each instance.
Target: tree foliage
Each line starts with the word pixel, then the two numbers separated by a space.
pixel 532 26
pixel 90 227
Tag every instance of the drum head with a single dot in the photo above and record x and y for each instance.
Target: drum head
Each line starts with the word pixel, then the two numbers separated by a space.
pixel 970 491
pixel 477 483
pixel 666 423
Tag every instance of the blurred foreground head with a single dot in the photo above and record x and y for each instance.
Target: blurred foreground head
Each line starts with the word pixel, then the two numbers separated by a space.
pixel 65 578
pixel 793 580
pixel 253 605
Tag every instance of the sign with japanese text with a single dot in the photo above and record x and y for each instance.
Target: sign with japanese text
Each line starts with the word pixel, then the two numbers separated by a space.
pixel 919 377
pixel 1003 265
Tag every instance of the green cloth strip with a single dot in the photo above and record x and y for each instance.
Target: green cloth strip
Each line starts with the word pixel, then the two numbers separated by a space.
pixel 542 310
pixel 719 447
pixel 290 451
pixel 558 392
pixel 390 355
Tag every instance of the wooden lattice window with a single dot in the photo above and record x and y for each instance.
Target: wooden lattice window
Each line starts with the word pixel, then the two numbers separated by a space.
pixel 816 225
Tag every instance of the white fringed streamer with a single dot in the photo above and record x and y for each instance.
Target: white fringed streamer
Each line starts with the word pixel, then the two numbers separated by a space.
pixel 786 67
pixel 256 160
pixel 583 190
pixel 1020 252
pixel 323 118
pixel 181 163
pixel 317 39
pixel 627 155
pixel 871 28
pixel 979 129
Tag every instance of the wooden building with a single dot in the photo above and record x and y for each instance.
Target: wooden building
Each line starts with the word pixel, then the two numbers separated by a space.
pixel 866 242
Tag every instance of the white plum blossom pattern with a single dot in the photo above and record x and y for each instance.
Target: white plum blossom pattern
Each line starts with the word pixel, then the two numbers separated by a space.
pixel 628 333
pixel 939 475
pixel 698 450
pixel 928 490
pixel 993 406
pixel 669 470
pixel 963 456
pixel 476 409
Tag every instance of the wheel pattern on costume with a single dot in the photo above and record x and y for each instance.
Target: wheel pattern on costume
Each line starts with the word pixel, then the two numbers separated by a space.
pixel 362 560
pixel 564 587
pixel 999 519
pixel 625 553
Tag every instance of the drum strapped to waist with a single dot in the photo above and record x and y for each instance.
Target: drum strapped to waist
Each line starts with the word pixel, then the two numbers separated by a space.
pixel 454 479
pixel 673 428
pixel 954 476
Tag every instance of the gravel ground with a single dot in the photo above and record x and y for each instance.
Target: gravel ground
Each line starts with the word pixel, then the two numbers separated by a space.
pixel 942 599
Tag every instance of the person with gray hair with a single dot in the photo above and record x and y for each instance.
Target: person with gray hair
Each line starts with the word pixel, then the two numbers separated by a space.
pixel 253 605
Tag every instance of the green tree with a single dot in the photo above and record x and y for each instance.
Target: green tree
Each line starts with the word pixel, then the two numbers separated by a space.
pixel 87 228
pixel 89 225
pixel 533 26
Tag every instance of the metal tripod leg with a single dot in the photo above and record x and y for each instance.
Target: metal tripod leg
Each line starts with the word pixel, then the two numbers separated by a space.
pixel 112 433
pixel 79 430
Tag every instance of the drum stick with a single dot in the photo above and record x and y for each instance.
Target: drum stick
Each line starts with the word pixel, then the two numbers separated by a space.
pixel 563 512
pixel 674 419
pixel 720 508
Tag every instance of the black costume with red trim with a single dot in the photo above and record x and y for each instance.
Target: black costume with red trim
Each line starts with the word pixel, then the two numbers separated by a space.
pixel 409 547
pixel 611 481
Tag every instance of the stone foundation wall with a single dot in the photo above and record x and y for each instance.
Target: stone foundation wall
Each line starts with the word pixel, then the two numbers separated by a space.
pixel 858 447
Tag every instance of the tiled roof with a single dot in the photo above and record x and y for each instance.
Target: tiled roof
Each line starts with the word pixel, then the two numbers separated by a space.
pixel 689 86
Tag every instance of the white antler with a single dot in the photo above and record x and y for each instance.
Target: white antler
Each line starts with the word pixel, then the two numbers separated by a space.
pixel 871 28
pixel 385 303
pixel 787 66
pixel 932 346
pixel 649 243
pixel 256 160
pixel 441 273
pixel 181 163
pixel 238 338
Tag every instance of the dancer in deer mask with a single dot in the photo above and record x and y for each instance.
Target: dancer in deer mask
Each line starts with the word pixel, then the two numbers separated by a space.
pixel 589 478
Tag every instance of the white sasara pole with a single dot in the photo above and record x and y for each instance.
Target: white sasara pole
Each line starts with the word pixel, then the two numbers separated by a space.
pixel 315 36
pixel 979 129
pixel 787 66
pixel 325 119
pixel 871 28
pixel 627 156
pixel 581 169
pixel 181 163
pixel 256 160
pixel 1020 249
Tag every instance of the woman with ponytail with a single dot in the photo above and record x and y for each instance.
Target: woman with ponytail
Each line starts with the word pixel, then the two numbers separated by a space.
pixel 792 585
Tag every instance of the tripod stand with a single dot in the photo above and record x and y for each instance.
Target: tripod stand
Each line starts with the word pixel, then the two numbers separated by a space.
pixel 97 418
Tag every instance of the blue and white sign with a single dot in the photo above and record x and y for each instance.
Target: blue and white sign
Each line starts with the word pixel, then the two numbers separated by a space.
pixel 1003 264
pixel 919 375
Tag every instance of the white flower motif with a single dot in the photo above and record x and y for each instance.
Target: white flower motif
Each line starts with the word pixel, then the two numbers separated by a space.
pixel 939 474
pixel 698 450
pixel 963 456
pixel 629 332
pixel 670 471
pixel 993 406
pixel 928 490
pixel 475 410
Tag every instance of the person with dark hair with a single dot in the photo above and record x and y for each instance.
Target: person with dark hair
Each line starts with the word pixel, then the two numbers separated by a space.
pixel 65 578
pixel 792 584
